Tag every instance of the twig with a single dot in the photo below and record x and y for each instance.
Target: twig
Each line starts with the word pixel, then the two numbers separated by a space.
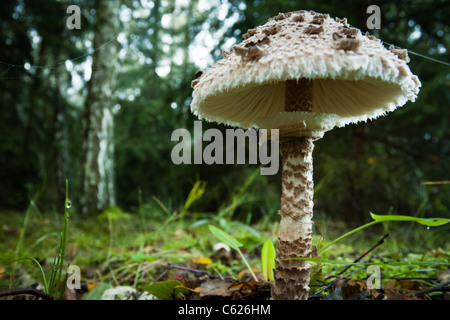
pixel 435 182
pixel 357 260
pixel 442 287
pixel 171 266
pixel 27 290
pixel 386 259
pixel 187 269
pixel 161 275
pixel 329 284
pixel 411 278
pixel 366 253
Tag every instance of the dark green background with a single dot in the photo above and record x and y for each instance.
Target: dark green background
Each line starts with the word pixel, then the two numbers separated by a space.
pixel 378 166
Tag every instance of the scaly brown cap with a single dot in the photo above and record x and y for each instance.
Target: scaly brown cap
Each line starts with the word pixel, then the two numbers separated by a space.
pixel 355 78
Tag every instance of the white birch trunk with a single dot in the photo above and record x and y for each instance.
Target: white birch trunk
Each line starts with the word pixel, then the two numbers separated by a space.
pixel 98 188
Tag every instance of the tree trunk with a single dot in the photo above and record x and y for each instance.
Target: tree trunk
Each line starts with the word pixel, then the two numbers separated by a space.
pixel 98 188
pixel 155 37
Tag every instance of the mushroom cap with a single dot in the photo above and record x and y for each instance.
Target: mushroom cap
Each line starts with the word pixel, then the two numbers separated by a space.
pixel 355 78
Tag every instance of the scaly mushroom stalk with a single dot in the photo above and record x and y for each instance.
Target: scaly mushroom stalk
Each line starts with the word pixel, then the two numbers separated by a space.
pixel 294 241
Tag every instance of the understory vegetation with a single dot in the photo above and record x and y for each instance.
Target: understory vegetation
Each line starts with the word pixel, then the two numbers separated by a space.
pixel 176 248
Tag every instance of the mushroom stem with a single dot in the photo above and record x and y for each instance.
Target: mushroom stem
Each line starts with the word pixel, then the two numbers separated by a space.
pixel 294 241
pixel 291 275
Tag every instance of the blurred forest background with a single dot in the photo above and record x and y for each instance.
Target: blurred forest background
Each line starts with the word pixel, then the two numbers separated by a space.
pixel 97 106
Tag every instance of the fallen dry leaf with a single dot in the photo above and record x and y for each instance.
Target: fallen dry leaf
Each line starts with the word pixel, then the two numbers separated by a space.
pixel 202 260
pixel 217 288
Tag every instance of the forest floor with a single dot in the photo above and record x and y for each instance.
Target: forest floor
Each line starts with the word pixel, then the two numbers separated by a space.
pixel 139 256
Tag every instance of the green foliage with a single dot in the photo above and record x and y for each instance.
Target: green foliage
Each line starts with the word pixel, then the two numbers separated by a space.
pixel 268 260
pixel 114 214
pixel 167 290
pixel 56 284
pixel 32 207
pixel 232 243
pixel 225 238
pixel 430 222
pixel 384 218
pixel 96 293
pixel 391 263
pixel 141 256
pixel 196 193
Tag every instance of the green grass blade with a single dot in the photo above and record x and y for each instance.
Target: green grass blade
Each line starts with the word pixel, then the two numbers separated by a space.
pixel 62 249
pixel 42 238
pixel 196 193
pixel 44 278
pixel 247 265
pixel 430 222
pixel 323 249
pixel 163 207
pixel 225 237
pixel 232 243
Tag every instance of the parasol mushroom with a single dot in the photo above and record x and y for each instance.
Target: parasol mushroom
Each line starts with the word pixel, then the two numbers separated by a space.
pixel 302 73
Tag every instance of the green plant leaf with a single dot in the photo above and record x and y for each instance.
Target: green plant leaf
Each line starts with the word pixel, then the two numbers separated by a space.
pixel 225 237
pixel 196 193
pixel 96 293
pixel 232 243
pixel 268 260
pixel 140 256
pixel 380 263
pixel 166 290
pixel 114 214
pixel 44 279
pixel 430 222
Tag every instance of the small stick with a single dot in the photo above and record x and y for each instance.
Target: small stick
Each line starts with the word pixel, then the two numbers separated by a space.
pixel 366 253
pixel 329 284
pixel 171 266
pixel 411 278
pixel 27 290
pixel 357 260
pixel 442 287
pixel 187 269
pixel 161 275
